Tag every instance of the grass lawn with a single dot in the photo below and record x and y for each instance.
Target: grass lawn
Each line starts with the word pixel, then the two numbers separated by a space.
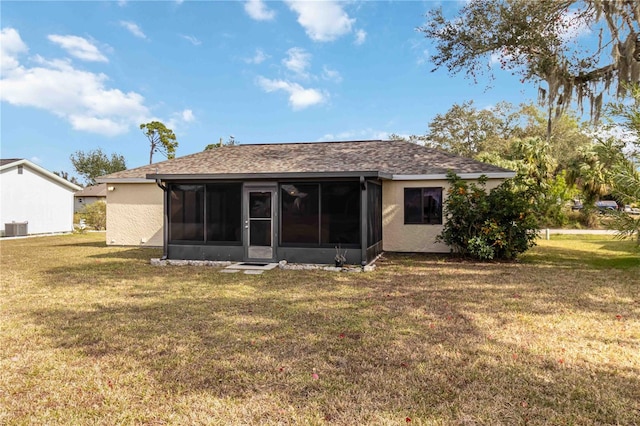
pixel 91 334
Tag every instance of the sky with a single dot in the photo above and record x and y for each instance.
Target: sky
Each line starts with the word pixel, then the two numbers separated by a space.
pixel 84 75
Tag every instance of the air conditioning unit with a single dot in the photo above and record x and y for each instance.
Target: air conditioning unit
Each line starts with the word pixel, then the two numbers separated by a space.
pixel 16 229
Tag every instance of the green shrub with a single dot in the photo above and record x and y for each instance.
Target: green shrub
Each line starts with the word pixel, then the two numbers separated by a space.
pixel 500 224
pixel 626 225
pixel 77 217
pixel 95 215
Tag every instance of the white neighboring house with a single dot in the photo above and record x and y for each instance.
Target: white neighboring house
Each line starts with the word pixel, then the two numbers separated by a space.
pixel 89 195
pixel 35 196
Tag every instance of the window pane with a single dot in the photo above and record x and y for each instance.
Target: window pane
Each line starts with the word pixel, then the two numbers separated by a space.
pixel 413 205
pixel 423 205
pixel 340 211
pixel 224 212
pixel 432 205
pixel 260 232
pixel 260 204
pixel 186 213
pixel 374 212
pixel 300 218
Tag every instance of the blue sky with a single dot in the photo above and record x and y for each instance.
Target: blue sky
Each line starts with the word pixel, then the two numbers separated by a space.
pixel 83 75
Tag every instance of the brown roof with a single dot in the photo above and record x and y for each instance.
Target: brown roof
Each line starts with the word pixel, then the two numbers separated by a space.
pixel 5 161
pixel 99 190
pixel 388 157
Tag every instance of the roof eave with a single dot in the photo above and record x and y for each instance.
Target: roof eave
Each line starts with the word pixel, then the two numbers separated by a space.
pixel 151 178
pixel 262 176
pixel 125 180
pixel 440 176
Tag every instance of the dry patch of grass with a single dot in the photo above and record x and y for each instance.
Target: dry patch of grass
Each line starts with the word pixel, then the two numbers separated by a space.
pixel 95 335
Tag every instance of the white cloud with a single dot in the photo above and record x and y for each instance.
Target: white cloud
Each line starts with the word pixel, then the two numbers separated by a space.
pixel 297 60
pixel 122 3
pixel 362 134
pixel 103 126
pixel 179 2
pixel 193 40
pixel 36 160
pixel 179 119
pixel 322 20
pixel 497 58
pixel 78 47
pixel 187 116
pixel 423 57
pixel 11 45
pixel 80 97
pixel 573 26
pixel 257 10
pixel 419 47
pixel 361 36
pixel 299 97
pixel 618 132
pixel 133 28
pixel 258 58
pixel 331 75
pixel 494 59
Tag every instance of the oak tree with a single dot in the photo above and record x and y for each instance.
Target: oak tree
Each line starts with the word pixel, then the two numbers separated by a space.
pixel 537 40
pixel 91 164
pixel 468 131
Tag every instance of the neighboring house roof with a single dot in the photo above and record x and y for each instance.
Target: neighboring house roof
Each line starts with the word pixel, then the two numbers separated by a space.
pixel 4 161
pixel 386 159
pixel 99 190
pixel 15 162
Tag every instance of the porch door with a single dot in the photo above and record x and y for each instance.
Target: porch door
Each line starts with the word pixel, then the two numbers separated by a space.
pixel 259 223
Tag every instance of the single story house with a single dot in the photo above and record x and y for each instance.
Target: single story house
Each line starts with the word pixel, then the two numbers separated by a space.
pixel 292 201
pixel 34 200
pixel 89 195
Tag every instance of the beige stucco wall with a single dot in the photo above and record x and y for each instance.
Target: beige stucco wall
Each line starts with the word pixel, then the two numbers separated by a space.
pixel 396 236
pixel 134 214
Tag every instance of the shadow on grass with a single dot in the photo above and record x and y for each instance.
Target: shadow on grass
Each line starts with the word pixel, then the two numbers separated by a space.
pixel 625 245
pixel 102 244
pixel 400 337
pixel 571 258
pixel 142 253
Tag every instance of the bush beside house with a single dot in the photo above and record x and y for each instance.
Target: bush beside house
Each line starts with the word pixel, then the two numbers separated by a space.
pixel 499 224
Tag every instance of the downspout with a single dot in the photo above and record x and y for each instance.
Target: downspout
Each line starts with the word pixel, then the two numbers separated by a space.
pixel 165 220
pixel 363 220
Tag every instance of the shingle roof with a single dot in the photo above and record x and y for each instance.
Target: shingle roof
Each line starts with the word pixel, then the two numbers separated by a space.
pixel 5 161
pixel 390 157
pixel 99 190
pixel 10 163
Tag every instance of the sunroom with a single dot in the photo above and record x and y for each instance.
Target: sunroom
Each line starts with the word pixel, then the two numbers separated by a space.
pixel 294 218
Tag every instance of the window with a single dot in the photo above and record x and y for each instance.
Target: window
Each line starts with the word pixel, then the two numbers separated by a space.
pixel 374 213
pixel 300 214
pixel 20 169
pixel 186 213
pixel 224 212
pixel 260 215
pixel 320 214
pixel 209 213
pixel 423 206
pixel 340 213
